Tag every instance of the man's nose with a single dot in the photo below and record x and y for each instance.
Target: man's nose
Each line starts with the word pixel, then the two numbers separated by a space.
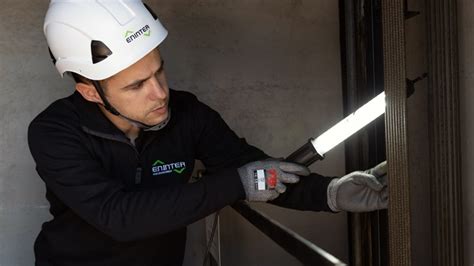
pixel 157 90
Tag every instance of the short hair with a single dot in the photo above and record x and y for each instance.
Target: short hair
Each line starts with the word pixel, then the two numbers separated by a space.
pixel 79 78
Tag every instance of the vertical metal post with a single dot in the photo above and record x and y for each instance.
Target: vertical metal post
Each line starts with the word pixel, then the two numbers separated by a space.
pixel 362 68
pixel 444 128
pixel 396 132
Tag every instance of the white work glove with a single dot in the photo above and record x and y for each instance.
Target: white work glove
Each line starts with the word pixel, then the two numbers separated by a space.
pixel 263 180
pixel 359 191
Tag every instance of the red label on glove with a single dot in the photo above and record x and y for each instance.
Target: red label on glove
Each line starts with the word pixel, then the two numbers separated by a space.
pixel 271 178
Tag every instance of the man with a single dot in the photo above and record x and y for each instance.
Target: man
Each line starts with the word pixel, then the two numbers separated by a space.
pixel 117 155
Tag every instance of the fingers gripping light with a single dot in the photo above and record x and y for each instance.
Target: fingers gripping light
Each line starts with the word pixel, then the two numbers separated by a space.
pixel 350 125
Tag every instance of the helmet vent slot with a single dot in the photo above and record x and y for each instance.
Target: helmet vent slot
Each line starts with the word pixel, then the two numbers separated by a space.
pixel 99 51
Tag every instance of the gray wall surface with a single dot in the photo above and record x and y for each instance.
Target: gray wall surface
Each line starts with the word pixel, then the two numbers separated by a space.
pixel 27 85
pixel 271 68
pixel 466 70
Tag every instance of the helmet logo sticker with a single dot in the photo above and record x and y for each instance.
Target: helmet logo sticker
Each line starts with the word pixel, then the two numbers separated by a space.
pixel 131 36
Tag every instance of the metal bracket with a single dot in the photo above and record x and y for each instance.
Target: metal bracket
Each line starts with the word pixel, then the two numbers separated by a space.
pixel 411 83
pixel 409 14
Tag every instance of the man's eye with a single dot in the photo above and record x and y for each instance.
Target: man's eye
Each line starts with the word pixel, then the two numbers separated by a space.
pixel 138 86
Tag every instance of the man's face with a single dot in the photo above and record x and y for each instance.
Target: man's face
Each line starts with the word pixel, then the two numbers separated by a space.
pixel 140 92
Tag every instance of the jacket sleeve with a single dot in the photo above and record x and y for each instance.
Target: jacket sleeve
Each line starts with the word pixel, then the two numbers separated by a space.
pixel 309 194
pixel 75 177
pixel 219 147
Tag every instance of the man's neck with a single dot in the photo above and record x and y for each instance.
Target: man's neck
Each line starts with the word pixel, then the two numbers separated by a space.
pixel 126 127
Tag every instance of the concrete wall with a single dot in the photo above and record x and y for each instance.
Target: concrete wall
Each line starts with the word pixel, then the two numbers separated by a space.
pixel 466 67
pixel 272 68
pixel 27 85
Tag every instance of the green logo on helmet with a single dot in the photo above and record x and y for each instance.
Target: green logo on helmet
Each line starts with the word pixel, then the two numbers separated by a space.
pixel 160 167
pixel 130 36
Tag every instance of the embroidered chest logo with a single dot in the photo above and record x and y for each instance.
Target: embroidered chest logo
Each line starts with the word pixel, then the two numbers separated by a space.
pixel 161 168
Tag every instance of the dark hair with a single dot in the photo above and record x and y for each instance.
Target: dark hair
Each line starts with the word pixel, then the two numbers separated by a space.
pixel 80 79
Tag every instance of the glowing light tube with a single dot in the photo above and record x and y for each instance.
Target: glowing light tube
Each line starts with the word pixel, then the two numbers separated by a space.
pixel 350 125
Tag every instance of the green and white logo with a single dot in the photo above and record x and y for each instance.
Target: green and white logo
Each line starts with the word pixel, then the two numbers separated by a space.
pixel 161 168
pixel 130 36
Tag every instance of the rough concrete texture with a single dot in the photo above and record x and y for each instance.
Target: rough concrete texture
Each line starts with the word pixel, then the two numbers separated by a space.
pixel 271 68
pixel 466 71
pixel 28 84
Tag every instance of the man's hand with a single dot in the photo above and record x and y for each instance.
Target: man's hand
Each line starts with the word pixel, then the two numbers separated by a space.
pixel 263 180
pixel 360 191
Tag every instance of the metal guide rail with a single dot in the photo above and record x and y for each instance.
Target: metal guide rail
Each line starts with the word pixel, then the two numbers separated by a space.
pixel 299 247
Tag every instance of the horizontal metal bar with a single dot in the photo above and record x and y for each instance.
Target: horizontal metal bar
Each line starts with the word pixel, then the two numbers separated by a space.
pixel 299 247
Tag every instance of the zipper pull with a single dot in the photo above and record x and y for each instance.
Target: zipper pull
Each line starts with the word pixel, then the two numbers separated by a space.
pixel 138 176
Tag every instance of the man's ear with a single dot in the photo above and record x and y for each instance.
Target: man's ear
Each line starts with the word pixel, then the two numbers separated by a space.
pixel 88 92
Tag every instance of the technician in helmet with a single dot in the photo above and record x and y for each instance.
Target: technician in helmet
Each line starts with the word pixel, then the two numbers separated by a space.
pixel 116 156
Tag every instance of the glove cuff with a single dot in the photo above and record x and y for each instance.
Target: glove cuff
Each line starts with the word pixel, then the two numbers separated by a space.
pixel 332 195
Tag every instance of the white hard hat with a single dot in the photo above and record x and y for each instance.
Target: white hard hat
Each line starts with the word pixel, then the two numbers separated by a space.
pixel 99 38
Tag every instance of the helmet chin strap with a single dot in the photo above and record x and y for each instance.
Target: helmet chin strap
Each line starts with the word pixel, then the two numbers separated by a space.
pixel 134 122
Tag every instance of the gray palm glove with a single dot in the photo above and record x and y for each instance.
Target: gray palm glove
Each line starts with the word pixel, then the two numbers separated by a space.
pixel 360 191
pixel 263 180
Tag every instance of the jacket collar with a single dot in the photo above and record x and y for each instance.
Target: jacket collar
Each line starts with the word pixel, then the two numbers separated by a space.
pixel 93 120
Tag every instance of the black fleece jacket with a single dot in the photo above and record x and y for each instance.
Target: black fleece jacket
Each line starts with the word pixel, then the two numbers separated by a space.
pixel 115 203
